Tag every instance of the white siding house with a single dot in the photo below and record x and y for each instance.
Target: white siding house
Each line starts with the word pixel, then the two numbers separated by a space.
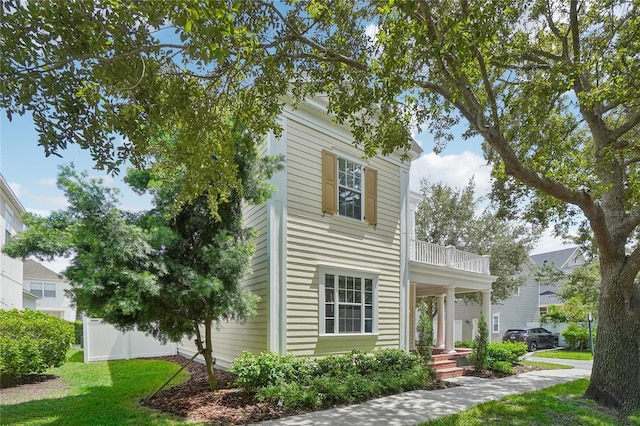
pixel 336 265
pixel 50 289
pixel 11 210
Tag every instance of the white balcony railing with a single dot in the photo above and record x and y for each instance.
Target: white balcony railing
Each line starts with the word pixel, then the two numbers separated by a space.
pixel 449 256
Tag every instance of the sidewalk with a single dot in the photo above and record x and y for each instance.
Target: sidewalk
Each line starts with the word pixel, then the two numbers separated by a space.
pixel 415 407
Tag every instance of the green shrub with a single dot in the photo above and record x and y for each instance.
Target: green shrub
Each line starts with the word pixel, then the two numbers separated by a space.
pixel 479 356
pixel 270 369
pixel 503 367
pixel 424 344
pixel 577 336
pixel 31 341
pixel 355 362
pixel 505 352
pixel 394 360
pixel 295 383
pixel 464 344
pixel 78 331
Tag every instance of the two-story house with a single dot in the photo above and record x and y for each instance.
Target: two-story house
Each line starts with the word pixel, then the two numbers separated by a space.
pixel 50 288
pixel 12 294
pixel 336 264
pixel 531 300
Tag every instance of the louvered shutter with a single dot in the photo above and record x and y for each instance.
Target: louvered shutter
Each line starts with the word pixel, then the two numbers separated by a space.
pixel 371 196
pixel 329 183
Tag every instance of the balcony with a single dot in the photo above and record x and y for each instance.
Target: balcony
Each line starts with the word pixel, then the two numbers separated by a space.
pixel 449 257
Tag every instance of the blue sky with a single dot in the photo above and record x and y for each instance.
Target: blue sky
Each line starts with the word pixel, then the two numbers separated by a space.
pixel 32 175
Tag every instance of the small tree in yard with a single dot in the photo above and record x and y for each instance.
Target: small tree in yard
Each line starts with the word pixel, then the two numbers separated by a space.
pixel 424 345
pixel 480 343
pixel 171 273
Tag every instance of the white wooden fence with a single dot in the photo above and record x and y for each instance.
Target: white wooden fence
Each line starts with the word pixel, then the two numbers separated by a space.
pixel 102 342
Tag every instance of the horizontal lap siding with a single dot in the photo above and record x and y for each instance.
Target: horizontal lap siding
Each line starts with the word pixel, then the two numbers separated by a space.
pixel 313 239
pixel 233 338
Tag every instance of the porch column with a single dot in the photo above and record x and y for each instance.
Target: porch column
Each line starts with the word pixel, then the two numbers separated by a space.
pixel 486 310
pixel 451 317
pixel 440 331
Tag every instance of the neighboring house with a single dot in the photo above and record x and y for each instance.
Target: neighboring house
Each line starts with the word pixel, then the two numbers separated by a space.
pixel 12 295
pixel 336 264
pixel 530 302
pixel 50 288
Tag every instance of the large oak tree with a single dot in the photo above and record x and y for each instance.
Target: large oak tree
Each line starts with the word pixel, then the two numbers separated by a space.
pixel 552 88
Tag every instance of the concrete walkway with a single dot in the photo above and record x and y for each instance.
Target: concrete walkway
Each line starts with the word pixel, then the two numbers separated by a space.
pixel 415 407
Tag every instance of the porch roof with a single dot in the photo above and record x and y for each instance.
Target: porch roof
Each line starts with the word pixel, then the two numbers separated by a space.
pixel 431 280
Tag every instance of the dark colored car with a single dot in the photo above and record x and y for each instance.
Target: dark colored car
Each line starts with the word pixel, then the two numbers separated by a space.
pixel 535 338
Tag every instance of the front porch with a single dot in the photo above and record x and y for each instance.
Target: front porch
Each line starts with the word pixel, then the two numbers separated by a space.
pixel 444 272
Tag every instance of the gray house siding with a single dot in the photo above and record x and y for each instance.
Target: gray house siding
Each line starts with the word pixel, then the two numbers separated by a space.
pixel 523 308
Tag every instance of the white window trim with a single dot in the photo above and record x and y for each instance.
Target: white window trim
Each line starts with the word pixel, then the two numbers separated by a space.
pixel 43 288
pixel 323 271
pixel 340 154
pixel 493 317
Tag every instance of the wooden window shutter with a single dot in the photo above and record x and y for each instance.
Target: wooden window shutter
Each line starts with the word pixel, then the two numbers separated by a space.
pixel 329 183
pixel 371 196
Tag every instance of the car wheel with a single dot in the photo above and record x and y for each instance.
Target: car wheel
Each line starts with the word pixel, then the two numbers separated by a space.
pixel 533 346
pixel 555 343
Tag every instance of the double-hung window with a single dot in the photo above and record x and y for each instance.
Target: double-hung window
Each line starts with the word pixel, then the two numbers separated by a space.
pixel 349 188
pixel 43 289
pixel 348 303
pixel 8 224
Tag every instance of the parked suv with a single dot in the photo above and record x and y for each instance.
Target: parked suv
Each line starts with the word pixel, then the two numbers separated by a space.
pixel 534 337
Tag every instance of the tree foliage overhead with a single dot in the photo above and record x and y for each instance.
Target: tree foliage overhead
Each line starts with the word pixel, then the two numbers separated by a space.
pixel 551 86
pixel 169 273
pixel 453 217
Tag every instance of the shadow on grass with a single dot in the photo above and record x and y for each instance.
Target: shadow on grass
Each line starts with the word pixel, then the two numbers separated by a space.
pixel 104 393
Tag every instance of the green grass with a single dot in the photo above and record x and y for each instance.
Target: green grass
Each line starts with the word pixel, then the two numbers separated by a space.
pixel 99 393
pixel 544 365
pixel 562 354
pixel 558 405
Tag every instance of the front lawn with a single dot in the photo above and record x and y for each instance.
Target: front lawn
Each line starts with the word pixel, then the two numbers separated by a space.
pixel 104 393
pixel 565 354
pixel 558 405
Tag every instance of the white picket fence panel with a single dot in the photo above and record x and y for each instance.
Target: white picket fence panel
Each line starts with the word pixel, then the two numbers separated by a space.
pixel 103 342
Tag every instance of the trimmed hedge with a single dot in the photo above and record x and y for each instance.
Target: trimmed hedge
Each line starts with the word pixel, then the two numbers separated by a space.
pixel 295 383
pixel 31 342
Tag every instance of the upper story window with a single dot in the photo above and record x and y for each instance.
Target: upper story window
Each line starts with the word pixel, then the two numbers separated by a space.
pixel 43 289
pixel 348 303
pixel 8 223
pixel 348 188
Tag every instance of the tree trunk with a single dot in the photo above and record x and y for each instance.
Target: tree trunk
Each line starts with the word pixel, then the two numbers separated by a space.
pixel 210 361
pixel 206 350
pixel 615 378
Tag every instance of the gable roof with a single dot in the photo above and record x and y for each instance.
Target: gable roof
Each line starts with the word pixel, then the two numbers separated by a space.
pixel 558 258
pixel 33 269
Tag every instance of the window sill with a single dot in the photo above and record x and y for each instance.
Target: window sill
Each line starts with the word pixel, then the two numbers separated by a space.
pixel 347 335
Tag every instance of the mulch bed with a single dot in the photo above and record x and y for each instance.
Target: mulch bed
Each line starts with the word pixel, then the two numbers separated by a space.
pixel 228 406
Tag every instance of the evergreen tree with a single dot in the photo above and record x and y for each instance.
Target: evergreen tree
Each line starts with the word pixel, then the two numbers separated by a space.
pixel 171 272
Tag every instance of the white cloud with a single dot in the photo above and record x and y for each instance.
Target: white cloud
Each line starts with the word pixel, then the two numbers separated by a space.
pixel 47 181
pixel 453 170
pixel 548 242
